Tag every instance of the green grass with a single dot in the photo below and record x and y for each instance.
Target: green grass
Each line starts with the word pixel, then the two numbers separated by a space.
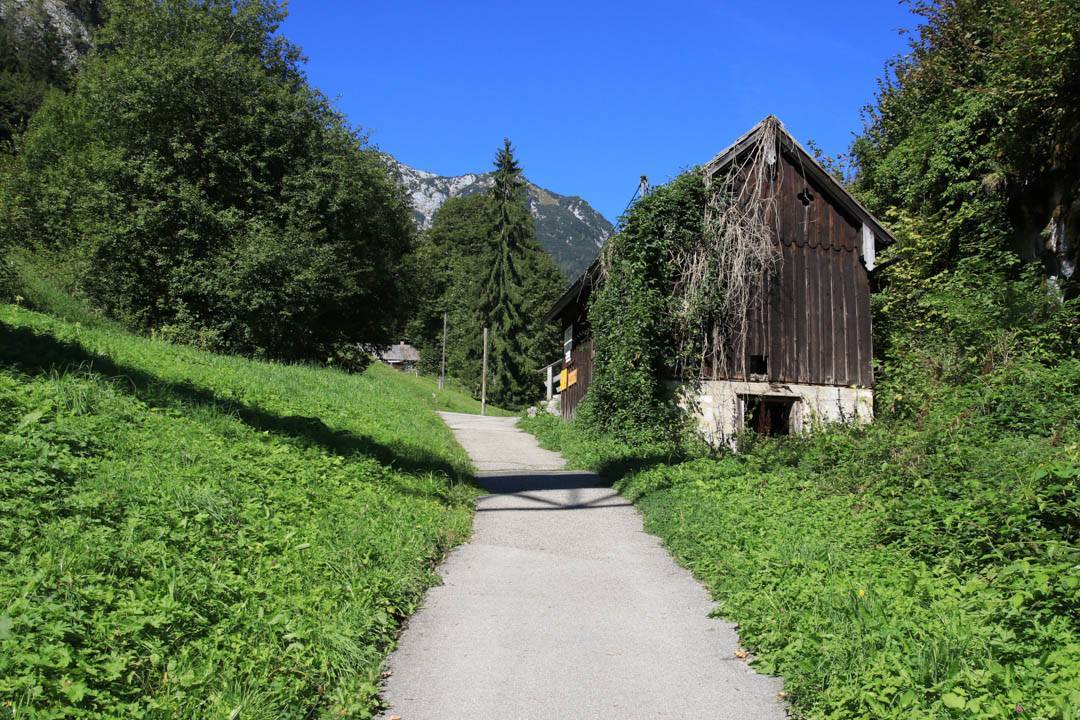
pixel 450 398
pixel 923 567
pixel 189 535
pixel 46 283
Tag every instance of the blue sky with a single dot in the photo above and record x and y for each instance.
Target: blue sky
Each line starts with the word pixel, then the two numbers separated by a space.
pixel 594 94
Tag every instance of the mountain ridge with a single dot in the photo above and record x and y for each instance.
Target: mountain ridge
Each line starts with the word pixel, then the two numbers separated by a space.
pixel 567 227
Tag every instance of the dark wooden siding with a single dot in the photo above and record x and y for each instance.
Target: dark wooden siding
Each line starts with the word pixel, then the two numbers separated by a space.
pixel 812 316
pixel 581 359
pixel 581 354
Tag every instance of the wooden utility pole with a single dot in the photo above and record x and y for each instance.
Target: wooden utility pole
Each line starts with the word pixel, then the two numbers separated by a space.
pixel 442 368
pixel 483 378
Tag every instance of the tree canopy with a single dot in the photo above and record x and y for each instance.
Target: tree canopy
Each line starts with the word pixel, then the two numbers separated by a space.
pixel 972 155
pixel 203 190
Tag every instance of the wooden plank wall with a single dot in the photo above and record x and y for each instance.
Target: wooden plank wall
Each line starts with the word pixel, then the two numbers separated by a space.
pixel 813 317
pixel 581 359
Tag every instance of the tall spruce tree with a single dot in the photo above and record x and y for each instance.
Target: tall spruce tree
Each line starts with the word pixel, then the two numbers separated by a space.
pixel 452 264
pixel 513 380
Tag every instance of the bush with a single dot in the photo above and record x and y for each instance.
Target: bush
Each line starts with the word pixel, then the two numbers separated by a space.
pixel 200 188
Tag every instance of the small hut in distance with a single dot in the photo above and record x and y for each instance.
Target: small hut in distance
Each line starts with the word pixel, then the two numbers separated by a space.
pixel 806 351
pixel 401 356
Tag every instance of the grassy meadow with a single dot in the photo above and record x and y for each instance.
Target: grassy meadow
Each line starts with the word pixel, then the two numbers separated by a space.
pixel 185 534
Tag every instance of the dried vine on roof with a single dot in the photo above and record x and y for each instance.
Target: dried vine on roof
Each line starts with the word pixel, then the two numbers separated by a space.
pixel 718 278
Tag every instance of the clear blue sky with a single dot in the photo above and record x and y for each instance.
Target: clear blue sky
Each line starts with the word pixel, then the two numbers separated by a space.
pixel 594 94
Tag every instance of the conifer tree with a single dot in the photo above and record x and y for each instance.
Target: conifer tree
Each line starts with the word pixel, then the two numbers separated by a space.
pixel 512 382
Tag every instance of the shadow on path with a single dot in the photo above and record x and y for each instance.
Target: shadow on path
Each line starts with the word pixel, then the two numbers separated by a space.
pixel 531 489
pixel 499 483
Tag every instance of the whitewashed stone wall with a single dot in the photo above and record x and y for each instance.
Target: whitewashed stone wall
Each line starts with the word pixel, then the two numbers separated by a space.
pixel 719 405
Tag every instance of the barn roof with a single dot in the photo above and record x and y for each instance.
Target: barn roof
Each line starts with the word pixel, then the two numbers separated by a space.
pixel 400 352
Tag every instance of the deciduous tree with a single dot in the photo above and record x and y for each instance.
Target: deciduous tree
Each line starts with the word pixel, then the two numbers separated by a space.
pixel 206 192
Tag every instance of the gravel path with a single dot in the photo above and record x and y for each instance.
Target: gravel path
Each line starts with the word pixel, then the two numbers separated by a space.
pixel 561 606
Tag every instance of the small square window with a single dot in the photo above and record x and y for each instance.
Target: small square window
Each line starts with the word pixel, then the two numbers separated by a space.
pixel 758 366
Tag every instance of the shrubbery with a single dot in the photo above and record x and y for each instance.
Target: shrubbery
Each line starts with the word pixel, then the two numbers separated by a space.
pixel 201 189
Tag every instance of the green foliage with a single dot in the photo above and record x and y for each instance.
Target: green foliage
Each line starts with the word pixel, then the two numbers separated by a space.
pixel 631 314
pixel 913 568
pixel 609 455
pixel 191 535
pixel 467 269
pixel 452 398
pixel 201 189
pixel 971 154
pixel 447 261
pixel 513 381
pixel 44 283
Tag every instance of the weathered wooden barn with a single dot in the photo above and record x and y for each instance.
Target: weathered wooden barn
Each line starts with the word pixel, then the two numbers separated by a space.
pixel 807 349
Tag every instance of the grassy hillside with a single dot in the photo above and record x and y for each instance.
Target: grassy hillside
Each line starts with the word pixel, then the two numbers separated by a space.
pixel 922 567
pixel 190 535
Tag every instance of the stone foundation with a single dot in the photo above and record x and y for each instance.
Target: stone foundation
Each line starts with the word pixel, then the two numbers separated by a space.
pixel 720 405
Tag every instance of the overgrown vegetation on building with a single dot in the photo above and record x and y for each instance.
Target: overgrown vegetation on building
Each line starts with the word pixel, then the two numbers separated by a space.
pixel 634 311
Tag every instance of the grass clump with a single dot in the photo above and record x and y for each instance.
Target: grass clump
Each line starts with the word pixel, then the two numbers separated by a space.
pixel 184 534
pixel 926 566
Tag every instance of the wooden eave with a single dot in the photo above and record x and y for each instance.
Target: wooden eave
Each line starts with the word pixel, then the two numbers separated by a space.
pixel 573 293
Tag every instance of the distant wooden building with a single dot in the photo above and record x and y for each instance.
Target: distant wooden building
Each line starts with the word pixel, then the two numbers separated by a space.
pixel 808 349
pixel 401 356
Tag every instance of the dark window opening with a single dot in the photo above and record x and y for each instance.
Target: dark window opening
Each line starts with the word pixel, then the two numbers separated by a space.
pixel 768 415
pixel 806 197
pixel 758 365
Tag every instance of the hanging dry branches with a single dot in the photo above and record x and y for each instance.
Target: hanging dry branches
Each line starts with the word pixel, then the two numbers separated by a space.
pixel 719 276
pixel 687 268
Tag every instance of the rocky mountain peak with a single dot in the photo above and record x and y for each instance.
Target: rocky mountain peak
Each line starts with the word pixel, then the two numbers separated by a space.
pixel 567 227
